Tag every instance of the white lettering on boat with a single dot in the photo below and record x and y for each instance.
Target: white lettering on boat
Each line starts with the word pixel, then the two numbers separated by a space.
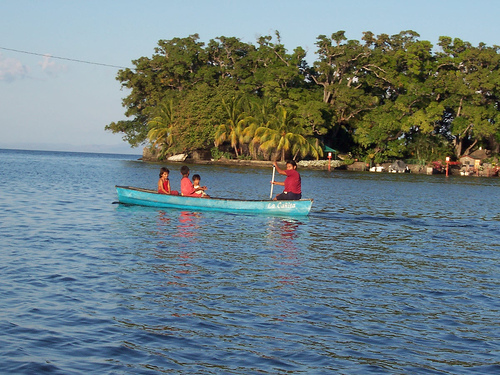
pixel 281 204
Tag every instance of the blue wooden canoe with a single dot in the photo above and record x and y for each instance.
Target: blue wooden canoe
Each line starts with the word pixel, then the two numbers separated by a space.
pixel 147 197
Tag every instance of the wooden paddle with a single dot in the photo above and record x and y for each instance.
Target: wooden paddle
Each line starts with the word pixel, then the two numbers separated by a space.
pixel 272 182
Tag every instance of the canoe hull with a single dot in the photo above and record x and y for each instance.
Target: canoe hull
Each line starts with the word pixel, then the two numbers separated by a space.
pixel 146 197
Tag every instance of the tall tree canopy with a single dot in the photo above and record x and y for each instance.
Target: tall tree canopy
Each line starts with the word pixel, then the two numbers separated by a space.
pixel 379 98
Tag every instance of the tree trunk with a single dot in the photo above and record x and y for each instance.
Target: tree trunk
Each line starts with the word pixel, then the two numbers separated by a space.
pixel 457 144
pixel 467 150
pixel 494 145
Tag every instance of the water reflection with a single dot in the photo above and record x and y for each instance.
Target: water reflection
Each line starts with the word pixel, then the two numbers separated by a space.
pixel 163 218
pixel 287 254
pixel 163 222
pixel 176 233
pixel 188 225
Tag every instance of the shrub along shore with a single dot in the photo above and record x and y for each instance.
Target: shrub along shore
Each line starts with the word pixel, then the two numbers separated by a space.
pixel 340 162
pixel 305 164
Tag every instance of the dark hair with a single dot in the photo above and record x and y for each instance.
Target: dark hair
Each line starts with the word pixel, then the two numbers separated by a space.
pixel 163 170
pixel 184 170
pixel 196 177
pixel 292 162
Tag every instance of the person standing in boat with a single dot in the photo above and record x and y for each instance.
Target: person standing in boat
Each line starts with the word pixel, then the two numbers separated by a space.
pixel 164 183
pixel 187 187
pixel 292 183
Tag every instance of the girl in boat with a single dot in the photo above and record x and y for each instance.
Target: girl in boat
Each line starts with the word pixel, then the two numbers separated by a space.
pixel 164 183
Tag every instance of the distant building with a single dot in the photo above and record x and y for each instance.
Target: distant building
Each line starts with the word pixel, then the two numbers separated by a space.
pixel 471 163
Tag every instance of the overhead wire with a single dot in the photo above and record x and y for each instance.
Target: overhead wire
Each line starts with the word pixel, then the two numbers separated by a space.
pixel 63 58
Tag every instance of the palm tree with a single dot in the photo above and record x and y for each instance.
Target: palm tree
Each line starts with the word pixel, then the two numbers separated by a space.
pixel 307 146
pixel 160 127
pixel 233 129
pixel 261 117
pixel 283 135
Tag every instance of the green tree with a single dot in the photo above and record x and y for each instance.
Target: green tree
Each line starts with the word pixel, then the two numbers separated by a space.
pixel 275 72
pixel 381 96
pixel 174 67
pixel 283 136
pixel 230 60
pixel 404 99
pixel 233 129
pixel 425 148
pixel 161 128
pixel 197 114
pixel 341 71
pixel 467 82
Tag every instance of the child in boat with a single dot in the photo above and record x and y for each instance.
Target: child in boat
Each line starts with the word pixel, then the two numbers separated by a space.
pixel 292 183
pixel 164 183
pixel 187 187
pixel 199 189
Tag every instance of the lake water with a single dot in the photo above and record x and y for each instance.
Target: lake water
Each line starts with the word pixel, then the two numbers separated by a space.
pixel 396 274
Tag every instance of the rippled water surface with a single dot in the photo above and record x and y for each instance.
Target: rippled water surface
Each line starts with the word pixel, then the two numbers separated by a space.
pixel 388 274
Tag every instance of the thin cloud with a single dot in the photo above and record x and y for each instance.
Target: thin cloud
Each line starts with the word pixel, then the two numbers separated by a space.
pixel 50 67
pixel 12 69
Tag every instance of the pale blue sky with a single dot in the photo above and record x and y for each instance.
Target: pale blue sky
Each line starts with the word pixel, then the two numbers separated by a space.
pixel 64 105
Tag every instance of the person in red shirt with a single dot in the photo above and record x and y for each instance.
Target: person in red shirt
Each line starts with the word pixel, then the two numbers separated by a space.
pixel 187 188
pixel 292 183
pixel 164 183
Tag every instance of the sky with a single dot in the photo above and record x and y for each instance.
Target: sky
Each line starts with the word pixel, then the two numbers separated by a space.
pixel 47 103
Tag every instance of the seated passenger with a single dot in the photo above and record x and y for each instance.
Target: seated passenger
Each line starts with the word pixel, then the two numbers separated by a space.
pixel 187 187
pixel 164 183
pixel 199 189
